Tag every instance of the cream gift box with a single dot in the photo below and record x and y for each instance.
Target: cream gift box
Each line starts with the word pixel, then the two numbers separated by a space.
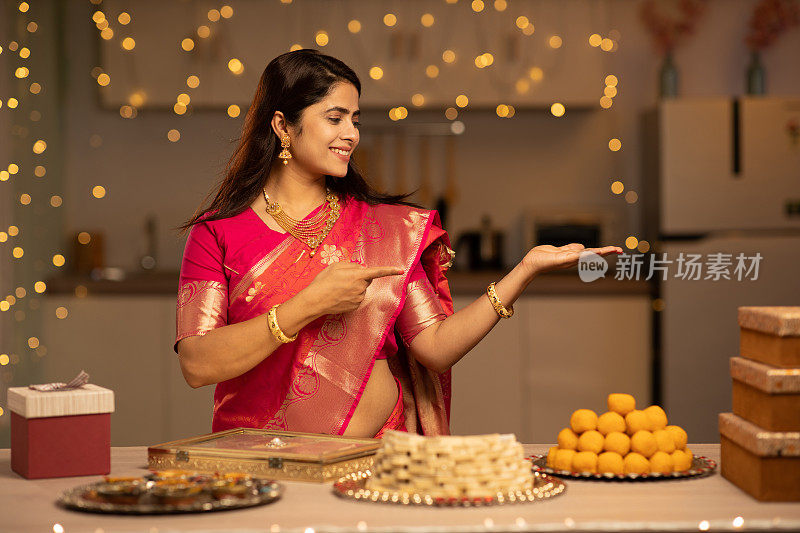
pixel 61 433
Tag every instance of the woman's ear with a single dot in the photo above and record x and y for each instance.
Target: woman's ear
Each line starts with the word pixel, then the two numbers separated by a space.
pixel 279 125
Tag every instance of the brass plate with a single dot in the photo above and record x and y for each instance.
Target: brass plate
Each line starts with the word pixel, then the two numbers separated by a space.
pixel 353 487
pixel 84 498
pixel 701 467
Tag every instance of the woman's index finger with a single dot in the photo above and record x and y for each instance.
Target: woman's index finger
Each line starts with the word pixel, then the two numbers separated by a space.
pixel 381 271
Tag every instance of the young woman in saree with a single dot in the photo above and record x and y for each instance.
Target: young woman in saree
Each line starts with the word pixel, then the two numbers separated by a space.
pixel 313 302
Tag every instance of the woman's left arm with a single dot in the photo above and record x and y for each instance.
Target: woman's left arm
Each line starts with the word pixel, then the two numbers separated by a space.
pixel 441 345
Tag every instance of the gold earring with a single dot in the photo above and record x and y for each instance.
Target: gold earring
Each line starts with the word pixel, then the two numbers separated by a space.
pixel 285 154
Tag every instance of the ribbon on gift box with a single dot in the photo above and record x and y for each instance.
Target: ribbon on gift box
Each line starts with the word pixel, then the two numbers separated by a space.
pixel 77 382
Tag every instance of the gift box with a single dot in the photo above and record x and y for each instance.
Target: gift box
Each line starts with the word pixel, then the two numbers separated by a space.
pixel 765 464
pixel 766 395
pixel 770 335
pixel 269 453
pixel 60 433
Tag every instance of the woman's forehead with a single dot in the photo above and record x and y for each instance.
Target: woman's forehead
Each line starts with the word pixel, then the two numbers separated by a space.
pixel 343 97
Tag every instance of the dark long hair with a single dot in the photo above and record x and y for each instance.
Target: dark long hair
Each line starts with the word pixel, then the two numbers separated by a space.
pixel 290 83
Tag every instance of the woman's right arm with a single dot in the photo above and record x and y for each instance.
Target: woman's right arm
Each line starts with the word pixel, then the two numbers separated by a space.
pixel 229 351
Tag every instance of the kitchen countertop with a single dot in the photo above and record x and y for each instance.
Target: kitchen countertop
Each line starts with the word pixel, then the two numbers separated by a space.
pixel 668 505
pixel 462 283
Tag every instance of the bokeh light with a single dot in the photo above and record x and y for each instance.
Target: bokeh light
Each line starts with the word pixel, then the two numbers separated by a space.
pixel 354 26
pixel 235 66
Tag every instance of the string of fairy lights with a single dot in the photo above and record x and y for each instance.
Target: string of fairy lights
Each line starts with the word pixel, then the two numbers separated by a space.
pixel 322 38
pixel 20 53
pixel 119 28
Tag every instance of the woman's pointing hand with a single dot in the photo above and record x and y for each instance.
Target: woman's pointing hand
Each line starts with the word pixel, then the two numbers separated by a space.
pixel 341 287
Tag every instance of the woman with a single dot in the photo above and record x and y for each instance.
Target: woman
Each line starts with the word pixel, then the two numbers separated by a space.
pixel 315 303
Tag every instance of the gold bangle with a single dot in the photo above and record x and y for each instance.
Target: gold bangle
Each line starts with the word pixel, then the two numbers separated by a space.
pixel 502 311
pixel 272 320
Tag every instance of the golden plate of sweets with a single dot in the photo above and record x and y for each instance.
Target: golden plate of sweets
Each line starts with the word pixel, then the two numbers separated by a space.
pixel 701 466
pixel 354 487
pixel 171 492
pixel 622 443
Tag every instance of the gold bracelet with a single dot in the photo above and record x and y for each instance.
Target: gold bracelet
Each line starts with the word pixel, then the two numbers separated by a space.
pixel 504 312
pixel 272 320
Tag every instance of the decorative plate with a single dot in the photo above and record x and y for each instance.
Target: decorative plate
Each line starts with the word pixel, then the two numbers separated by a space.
pixel 85 498
pixel 353 486
pixel 701 467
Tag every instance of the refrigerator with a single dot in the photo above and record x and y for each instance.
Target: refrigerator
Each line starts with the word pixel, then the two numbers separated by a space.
pixel 721 183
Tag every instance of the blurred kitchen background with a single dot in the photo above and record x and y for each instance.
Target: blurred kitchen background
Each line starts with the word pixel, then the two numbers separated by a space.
pixel 660 126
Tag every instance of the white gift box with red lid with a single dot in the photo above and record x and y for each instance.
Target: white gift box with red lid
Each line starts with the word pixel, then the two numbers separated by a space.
pixel 61 433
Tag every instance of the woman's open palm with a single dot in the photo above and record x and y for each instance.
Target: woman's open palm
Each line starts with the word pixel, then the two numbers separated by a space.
pixel 544 258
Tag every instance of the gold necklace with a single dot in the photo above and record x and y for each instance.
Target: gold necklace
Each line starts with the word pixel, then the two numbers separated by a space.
pixel 312 231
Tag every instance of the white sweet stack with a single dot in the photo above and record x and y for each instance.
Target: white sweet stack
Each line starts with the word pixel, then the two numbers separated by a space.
pixel 473 466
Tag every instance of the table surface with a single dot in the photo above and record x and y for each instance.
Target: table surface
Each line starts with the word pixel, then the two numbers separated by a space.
pixel 667 505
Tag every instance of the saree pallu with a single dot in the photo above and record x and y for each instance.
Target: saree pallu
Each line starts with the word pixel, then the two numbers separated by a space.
pixel 314 384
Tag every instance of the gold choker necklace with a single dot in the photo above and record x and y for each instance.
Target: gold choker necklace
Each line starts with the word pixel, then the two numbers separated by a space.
pixel 312 231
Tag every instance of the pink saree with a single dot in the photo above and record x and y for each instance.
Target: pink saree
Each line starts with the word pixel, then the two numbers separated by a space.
pixel 235 269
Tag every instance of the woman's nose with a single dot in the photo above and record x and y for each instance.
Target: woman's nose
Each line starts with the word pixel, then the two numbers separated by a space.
pixel 350 133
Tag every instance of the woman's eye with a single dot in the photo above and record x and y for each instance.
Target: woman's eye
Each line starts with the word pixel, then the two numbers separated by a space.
pixel 337 120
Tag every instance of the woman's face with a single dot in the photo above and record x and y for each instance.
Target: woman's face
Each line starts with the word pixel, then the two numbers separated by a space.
pixel 331 123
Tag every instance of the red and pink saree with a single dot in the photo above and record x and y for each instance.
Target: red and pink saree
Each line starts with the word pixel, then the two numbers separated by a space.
pixel 235 269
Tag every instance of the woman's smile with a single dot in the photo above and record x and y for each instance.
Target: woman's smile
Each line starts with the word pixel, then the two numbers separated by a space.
pixel 341 153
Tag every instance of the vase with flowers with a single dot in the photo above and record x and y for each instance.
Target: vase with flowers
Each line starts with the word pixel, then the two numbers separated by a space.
pixel 769 19
pixel 670 23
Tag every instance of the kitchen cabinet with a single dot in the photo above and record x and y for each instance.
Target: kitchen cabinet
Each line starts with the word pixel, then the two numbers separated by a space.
pixel 557 354
pixel 125 344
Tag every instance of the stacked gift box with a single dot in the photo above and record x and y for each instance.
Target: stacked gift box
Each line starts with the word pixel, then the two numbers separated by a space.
pixel 760 440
